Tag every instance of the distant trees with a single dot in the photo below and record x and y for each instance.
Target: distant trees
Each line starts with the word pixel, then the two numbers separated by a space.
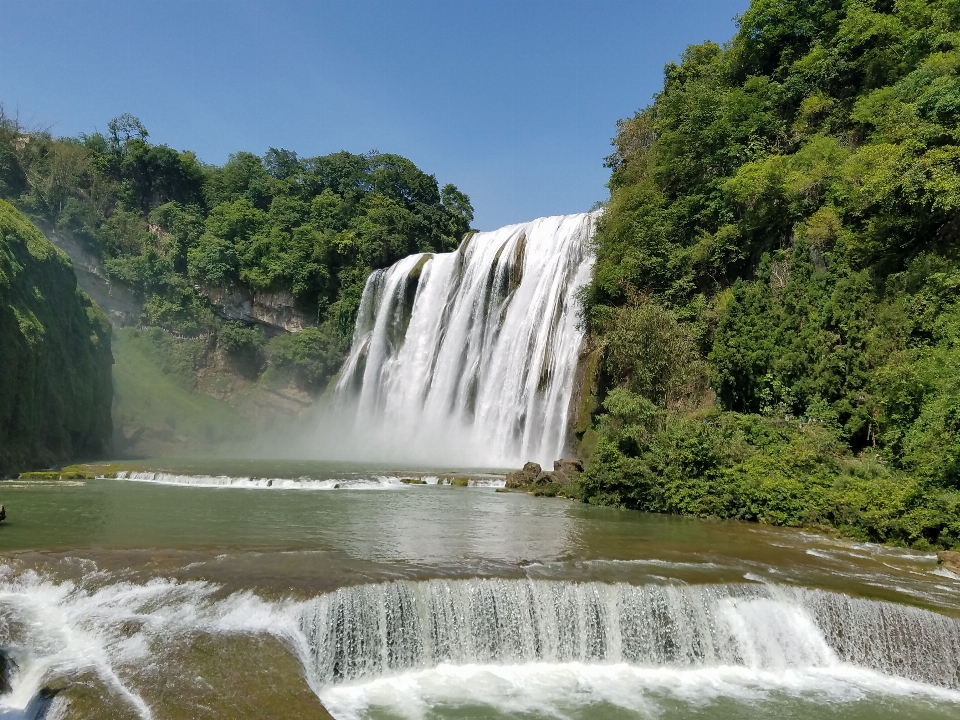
pixel 169 225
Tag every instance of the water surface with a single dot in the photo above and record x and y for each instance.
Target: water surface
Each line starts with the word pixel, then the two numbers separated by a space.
pixel 104 579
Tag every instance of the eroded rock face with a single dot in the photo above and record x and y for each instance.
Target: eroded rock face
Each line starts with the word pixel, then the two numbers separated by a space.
pixel 277 309
pixel 118 302
pixel 528 476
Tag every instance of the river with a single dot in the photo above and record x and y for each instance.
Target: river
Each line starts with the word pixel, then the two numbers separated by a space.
pixel 260 589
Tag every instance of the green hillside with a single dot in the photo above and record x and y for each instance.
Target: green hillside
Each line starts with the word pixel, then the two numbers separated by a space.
pixel 55 360
pixel 774 315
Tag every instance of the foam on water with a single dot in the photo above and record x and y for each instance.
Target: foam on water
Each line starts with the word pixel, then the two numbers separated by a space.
pixel 539 645
pixel 559 689
pixel 372 482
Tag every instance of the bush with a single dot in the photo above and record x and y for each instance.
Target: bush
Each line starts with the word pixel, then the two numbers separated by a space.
pixel 309 357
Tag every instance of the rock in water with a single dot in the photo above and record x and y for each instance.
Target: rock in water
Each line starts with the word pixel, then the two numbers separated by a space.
pixel 947 558
pixel 567 470
pixel 3 514
pixel 528 476
pixel 7 665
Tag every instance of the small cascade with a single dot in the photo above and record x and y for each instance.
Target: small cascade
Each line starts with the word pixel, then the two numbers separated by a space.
pixel 375 630
pixel 468 358
pixel 366 633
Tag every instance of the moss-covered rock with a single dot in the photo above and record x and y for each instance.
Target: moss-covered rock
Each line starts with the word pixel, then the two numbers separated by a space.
pixel 55 357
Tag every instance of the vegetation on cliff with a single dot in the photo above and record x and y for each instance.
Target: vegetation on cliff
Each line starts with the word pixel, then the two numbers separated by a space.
pixel 775 314
pixel 55 385
pixel 177 230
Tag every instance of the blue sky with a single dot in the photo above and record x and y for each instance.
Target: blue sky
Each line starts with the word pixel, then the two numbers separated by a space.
pixel 513 101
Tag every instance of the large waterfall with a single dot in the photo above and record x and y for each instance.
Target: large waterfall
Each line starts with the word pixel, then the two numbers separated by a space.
pixel 469 357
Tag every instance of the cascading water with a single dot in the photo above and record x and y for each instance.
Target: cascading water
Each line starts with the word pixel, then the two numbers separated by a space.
pixel 374 630
pixel 469 357
pixel 357 637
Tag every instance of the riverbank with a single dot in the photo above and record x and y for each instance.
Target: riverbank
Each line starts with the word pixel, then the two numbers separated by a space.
pixel 794 472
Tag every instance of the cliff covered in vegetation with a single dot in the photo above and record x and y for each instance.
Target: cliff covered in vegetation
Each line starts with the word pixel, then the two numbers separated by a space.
pixel 775 315
pixel 55 360
pixel 237 254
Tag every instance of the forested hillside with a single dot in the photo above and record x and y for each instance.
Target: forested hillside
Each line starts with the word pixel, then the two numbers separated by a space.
pixel 304 232
pixel 55 387
pixel 775 314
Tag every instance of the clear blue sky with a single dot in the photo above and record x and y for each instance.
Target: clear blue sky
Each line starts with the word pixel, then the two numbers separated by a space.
pixel 513 101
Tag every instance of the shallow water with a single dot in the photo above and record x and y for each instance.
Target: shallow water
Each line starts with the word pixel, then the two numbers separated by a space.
pixel 103 581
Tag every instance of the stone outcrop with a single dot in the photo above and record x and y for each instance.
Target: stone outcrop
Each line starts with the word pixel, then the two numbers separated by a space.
pixel 564 472
pixel 276 309
pixel 949 560
pixel 528 476
pixel 567 471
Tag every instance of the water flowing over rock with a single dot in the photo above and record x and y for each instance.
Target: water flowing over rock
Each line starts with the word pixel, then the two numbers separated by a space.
pixel 53 632
pixel 374 630
pixel 469 357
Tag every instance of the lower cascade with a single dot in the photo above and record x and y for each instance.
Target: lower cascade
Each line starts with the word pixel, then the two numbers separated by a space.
pixel 366 633
pixel 469 357
pixel 374 630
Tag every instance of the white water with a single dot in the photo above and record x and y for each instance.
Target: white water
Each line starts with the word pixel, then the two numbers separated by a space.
pixel 511 643
pixel 372 482
pixel 472 363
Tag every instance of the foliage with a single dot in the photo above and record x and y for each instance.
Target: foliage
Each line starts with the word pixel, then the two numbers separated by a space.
pixel 55 387
pixel 310 356
pixel 789 204
pixel 175 229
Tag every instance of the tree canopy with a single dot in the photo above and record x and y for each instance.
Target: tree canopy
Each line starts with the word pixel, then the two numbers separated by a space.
pixel 173 227
pixel 790 202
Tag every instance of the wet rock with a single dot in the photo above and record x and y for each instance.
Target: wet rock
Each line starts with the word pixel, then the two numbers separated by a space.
pixel 949 560
pixel 7 668
pixel 528 476
pixel 566 471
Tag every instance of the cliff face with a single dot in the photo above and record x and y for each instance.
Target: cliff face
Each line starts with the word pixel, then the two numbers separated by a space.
pixel 55 358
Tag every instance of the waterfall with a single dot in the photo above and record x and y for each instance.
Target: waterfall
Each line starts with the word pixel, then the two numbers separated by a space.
pixel 468 357
pixel 370 631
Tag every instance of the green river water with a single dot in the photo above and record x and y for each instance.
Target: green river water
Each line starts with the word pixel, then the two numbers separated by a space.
pixel 261 589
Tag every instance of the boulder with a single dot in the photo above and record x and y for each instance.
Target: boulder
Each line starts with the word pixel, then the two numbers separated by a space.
pixel 545 478
pixel 949 560
pixel 528 476
pixel 567 470
pixel 524 477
